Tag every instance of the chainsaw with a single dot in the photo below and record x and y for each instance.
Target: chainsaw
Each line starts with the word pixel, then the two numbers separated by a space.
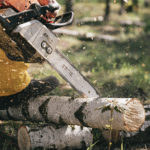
pixel 27 33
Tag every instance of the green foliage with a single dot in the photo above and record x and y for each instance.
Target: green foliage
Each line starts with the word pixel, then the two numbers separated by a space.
pixel 122 143
pixel 147 22
pixel 92 146
pixel 8 146
pixel 96 135
pixel 147 27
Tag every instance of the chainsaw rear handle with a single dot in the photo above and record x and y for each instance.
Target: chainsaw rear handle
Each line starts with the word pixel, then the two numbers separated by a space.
pixel 35 12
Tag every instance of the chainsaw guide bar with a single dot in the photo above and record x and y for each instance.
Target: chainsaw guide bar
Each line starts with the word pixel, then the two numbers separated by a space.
pixel 45 43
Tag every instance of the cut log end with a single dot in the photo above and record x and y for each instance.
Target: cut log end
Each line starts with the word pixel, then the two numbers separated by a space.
pixel 134 115
pixel 24 142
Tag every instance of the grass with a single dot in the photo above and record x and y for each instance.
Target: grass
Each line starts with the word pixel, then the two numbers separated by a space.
pixel 115 69
pixel 124 65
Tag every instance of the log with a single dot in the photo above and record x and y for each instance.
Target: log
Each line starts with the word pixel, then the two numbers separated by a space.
pixel 130 139
pixel 144 127
pixel 90 20
pixel 30 136
pixel 127 23
pixel 89 112
pixel 48 137
pixel 140 138
pixel 98 20
pixel 133 140
pixel 86 36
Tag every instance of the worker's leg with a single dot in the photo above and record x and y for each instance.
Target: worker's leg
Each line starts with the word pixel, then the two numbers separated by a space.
pixel 35 88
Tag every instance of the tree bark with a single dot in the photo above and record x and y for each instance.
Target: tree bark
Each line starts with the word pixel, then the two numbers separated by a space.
pixel 107 10
pixel 146 3
pixel 69 5
pixel 122 9
pixel 48 137
pixel 89 112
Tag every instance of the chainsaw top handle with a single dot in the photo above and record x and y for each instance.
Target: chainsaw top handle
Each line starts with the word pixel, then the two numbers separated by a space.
pixel 61 21
pixel 35 12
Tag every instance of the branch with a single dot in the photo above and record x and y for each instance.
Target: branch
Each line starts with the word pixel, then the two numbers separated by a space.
pixel 90 20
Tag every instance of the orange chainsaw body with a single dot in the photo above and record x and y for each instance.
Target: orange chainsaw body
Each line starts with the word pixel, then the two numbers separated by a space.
pixel 21 5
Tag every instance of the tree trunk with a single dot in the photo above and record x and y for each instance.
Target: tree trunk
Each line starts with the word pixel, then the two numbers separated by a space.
pixel 107 10
pixel 135 4
pixel 122 9
pixel 89 112
pixel 146 3
pixel 69 5
pixel 48 137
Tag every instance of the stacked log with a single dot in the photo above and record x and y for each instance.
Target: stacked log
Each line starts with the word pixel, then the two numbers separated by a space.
pixel 59 112
pixel 49 137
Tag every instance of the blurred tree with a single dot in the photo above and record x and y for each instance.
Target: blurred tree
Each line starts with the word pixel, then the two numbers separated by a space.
pixel 132 5
pixel 107 10
pixel 135 5
pixel 146 3
pixel 69 5
pixel 122 7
